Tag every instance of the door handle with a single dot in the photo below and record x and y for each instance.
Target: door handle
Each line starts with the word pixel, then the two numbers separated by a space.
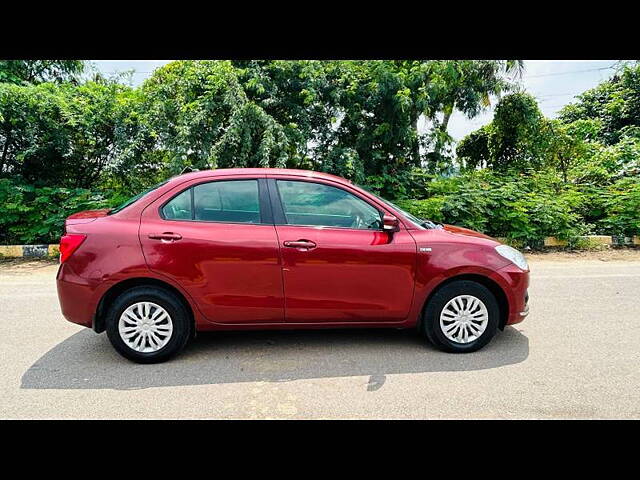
pixel 303 244
pixel 166 236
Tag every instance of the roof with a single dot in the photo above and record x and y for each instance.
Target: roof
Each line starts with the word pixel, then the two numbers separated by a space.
pixel 261 171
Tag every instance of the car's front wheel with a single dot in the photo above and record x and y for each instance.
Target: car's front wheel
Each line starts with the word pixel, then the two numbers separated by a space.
pixel 461 317
pixel 148 324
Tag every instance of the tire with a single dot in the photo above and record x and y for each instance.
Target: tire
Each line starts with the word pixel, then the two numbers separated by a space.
pixel 162 338
pixel 458 298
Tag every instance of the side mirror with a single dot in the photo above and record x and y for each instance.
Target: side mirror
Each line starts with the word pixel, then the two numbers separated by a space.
pixel 390 223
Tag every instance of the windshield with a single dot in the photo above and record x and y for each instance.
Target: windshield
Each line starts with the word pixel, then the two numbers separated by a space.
pixel 415 220
pixel 133 200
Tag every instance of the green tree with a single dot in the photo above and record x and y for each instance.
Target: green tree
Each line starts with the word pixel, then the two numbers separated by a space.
pixel 302 96
pixel 615 104
pixel 61 134
pixel 473 150
pixel 466 86
pixel 562 150
pixel 36 71
pixel 350 118
pixel 516 131
pixel 519 138
pixel 199 115
pixel 361 118
pixel 377 117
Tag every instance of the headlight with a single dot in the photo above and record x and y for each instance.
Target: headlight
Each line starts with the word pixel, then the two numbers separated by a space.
pixel 514 255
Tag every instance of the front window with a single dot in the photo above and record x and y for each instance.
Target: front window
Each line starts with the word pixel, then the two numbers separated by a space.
pixel 317 204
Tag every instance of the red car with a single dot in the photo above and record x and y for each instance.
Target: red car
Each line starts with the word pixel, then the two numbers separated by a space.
pixel 279 249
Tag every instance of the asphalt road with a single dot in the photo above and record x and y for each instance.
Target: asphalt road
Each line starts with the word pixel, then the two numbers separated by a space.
pixel 576 356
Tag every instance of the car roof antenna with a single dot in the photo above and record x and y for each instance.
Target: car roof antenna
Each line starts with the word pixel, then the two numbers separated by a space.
pixel 188 169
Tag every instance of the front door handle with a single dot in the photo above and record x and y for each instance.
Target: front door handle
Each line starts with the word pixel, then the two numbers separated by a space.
pixel 302 244
pixel 166 236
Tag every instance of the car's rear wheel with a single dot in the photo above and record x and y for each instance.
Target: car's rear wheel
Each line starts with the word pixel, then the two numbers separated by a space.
pixel 461 317
pixel 148 324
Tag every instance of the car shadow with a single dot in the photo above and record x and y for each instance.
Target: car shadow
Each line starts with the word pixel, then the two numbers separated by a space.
pixel 87 361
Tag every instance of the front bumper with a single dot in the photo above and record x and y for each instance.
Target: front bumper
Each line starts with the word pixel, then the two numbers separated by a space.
pixel 525 312
pixel 515 284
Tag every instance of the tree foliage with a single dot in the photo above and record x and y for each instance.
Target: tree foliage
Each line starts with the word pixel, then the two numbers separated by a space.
pixel 353 118
pixel 590 156
pixel 61 134
pixel 517 138
pixel 31 214
pixel 68 143
pixel 473 150
pixel 36 71
pixel 614 104
pixel 521 207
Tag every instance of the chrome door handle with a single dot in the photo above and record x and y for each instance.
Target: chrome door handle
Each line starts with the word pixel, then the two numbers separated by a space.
pixel 303 244
pixel 170 236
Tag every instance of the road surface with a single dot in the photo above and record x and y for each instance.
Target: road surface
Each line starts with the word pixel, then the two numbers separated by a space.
pixel 577 355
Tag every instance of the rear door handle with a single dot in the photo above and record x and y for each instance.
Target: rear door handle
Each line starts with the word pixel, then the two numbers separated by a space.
pixel 303 244
pixel 166 236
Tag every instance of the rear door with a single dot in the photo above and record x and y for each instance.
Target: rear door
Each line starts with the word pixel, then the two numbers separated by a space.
pixel 216 238
pixel 338 264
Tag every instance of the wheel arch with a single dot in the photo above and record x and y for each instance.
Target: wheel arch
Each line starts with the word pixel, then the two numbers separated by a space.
pixel 117 289
pixel 490 284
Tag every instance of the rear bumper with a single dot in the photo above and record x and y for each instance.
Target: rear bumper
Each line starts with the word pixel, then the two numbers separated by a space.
pixel 77 296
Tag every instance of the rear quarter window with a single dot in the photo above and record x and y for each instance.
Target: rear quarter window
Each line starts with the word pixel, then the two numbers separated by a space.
pixel 179 208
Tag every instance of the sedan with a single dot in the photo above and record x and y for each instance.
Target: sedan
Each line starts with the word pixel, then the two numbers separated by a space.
pixel 235 249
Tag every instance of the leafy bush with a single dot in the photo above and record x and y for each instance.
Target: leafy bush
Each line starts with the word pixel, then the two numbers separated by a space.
pixel 31 215
pixel 522 208
pixel 429 209
pixel 622 208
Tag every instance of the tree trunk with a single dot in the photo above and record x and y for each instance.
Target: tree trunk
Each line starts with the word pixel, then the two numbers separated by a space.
pixel 445 120
pixel 443 128
pixel 563 167
pixel 4 153
pixel 416 144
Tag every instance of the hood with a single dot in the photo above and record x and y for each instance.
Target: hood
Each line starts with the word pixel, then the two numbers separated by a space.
pixel 467 232
pixel 86 216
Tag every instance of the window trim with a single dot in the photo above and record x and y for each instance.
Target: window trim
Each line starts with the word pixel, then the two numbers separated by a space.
pixel 265 211
pixel 280 218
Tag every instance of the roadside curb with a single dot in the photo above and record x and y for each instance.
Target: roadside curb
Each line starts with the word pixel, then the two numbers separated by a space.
pixel 35 251
pixel 595 240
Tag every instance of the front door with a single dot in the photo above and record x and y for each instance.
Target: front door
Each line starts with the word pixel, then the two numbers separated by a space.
pixel 217 240
pixel 338 264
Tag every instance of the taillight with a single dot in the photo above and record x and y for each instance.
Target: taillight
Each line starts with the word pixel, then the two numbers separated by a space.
pixel 68 244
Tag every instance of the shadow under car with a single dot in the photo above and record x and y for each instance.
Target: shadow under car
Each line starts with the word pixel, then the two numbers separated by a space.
pixel 87 361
